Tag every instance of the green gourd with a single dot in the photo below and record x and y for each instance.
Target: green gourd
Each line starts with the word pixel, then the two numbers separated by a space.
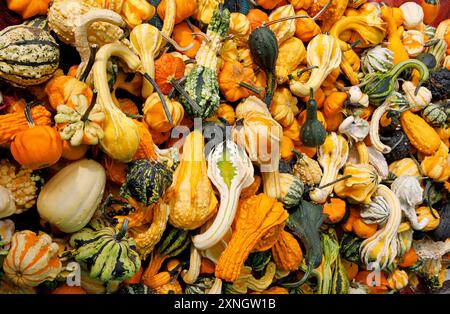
pixel 135 288
pixel 435 114
pixel 313 133
pixel 305 222
pixel 379 86
pixel 263 46
pixel 109 255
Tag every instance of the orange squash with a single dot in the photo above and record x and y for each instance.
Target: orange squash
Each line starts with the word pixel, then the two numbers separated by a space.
pixel 185 9
pixel 268 4
pixel 184 36
pixel 37 147
pixel 236 81
pixel 70 152
pixel 257 18
pixel 334 209
pixel 167 69
pixel 66 289
pixel 28 8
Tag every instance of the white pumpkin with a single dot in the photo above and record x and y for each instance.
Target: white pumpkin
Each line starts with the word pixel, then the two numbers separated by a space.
pixel 69 199
pixel 7 204
pixel 412 15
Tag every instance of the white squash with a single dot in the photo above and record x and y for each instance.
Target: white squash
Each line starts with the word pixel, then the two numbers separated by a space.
pixel 412 15
pixel 7 204
pixel 69 199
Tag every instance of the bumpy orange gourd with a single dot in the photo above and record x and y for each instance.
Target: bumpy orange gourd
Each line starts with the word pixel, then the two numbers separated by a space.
pixel 13 123
pixel 61 89
pixel 437 166
pixel 32 259
pixel 256 215
pixel 306 28
pixel 286 252
pixel 168 68
pixel 257 18
pixel 334 103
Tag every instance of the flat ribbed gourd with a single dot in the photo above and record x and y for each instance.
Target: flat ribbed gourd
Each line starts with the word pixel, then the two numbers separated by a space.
pixel 28 55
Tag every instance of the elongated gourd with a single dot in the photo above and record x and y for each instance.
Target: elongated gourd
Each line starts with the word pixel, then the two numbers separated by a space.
pixel 381 248
pixel 230 170
pixel 69 199
pixel 323 52
pixel 121 134
pixel 332 156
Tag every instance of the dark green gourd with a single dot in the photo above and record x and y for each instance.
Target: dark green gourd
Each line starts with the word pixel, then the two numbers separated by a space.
pixel 313 133
pixel 135 288
pixel 263 46
pixel 379 86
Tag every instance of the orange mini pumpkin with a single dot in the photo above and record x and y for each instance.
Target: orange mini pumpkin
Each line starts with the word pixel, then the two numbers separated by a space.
pixel 236 81
pixel 185 9
pixel 167 69
pixel 257 18
pixel 37 147
pixel 184 36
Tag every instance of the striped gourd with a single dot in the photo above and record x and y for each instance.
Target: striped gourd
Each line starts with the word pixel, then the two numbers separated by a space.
pixel 109 254
pixel 28 55
pixel 32 259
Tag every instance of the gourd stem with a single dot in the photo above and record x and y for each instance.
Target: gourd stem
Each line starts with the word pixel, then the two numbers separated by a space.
pixel 431 42
pixel 335 181
pixel 299 73
pixel 190 25
pixel 201 34
pixel 161 96
pixel 296 152
pixel 250 88
pixel 190 61
pixel 123 230
pixel 86 114
pixel 134 116
pixel 185 95
pixel 311 106
pixel 427 197
pixel 90 63
pixel 175 45
pixel 286 18
pixel 172 91
pixel 28 115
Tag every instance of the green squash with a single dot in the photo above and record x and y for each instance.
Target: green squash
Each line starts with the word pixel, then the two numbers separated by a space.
pixel 435 114
pixel 292 189
pixel 146 181
pixel 263 46
pixel 135 288
pixel 313 132
pixel 108 254
pixel 175 242
pixel 350 245
pixel 305 222
pixel 201 286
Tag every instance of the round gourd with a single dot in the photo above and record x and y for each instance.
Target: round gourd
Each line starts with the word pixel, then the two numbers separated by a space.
pixel 28 55
pixel 434 114
pixel 71 197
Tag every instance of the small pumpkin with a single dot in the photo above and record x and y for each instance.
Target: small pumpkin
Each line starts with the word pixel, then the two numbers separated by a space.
pixel 435 115
pixel 307 169
pixel 155 116
pixel 291 54
pixel 335 210
pixel 414 42
pixel 66 289
pixel 37 147
pixel 398 279
pixel 257 18
pixel 412 15
pixel 184 35
pixel 436 167
pixel 167 69
pixel 28 9
pixel 417 98
pixel 36 260
pixel 184 10
pixel 236 81
pixel 286 252
pixel 306 28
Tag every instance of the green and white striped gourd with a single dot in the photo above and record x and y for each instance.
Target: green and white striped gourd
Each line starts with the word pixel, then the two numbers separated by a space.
pixel 377 59
pixel 28 55
pixel 201 83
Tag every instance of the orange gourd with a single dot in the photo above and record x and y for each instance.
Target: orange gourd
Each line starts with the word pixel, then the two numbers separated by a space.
pixel 185 9
pixel 28 8
pixel 351 268
pixel 334 121
pixel 268 4
pixel 335 210
pixel 167 69
pixel 431 10
pixel 334 103
pixel 184 36
pixel 15 122
pixel 367 278
pixel 257 18
pixel 394 41
pixel 409 259
pixel 256 216
pixel 286 252
pixel 70 152
pixel 155 116
pixel 286 148
pixel 236 81
pixel 306 28
pixel 60 90
pixel 37 147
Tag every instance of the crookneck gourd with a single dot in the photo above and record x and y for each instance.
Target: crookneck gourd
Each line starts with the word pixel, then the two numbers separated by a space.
pixel 381 248
pixel 201 82
pixel 332 156
pixel 109 254
pixel 191 197
pixel 305 222
pixel 324 54
pixel 380 85
pixel 257 215
pixel 230 170
pixel 28 55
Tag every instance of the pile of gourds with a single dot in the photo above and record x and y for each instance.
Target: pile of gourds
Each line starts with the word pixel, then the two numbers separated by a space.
pixel 224 146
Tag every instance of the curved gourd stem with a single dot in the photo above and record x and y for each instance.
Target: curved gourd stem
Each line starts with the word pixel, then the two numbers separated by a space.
pixel 28 115
pixel 85 116
pixel 175 44
pixel 271 88
pixel 88 68
pixel 123 230
pixel 299 73
pixel 178 82
pixel 161 97
pixel 201 34
pixel 286 18
pixel 427 198
pixel 335 181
